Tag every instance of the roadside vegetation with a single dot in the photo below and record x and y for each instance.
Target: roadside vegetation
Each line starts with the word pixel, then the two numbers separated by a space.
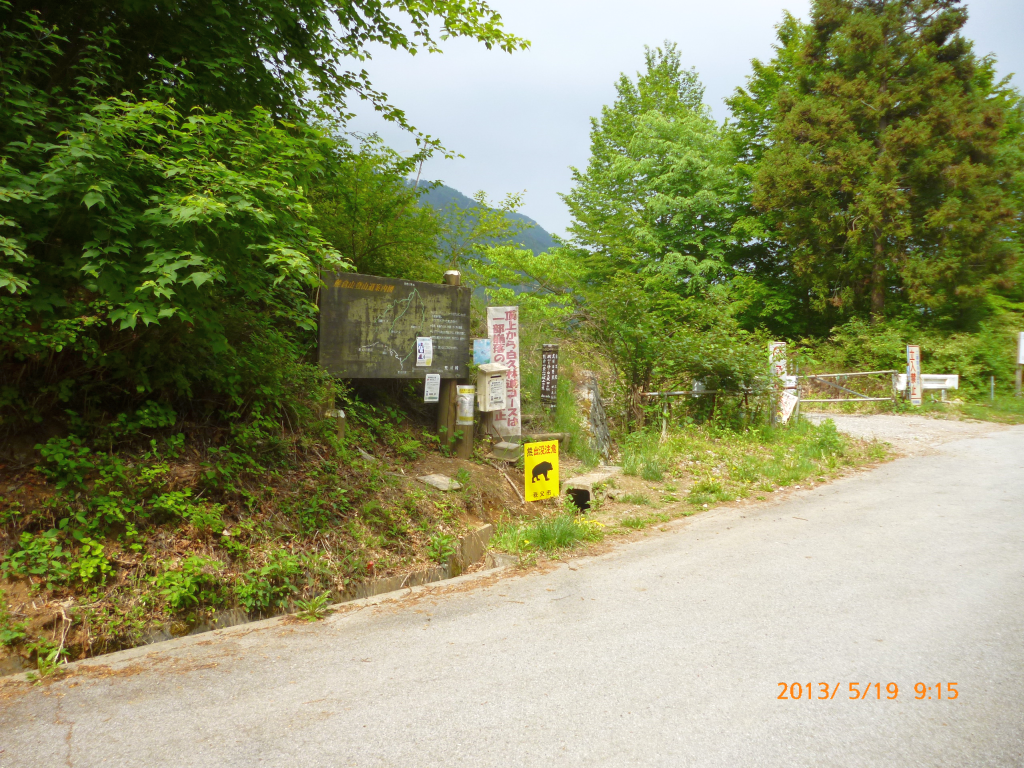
pixel 162 533
pixel 166 458
pixel 565 530
pixel 709 465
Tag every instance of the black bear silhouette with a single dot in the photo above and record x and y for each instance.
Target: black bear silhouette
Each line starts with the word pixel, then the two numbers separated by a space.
pixel 542 469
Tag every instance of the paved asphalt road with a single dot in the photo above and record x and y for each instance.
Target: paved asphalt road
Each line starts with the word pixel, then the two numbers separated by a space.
pixel 663 652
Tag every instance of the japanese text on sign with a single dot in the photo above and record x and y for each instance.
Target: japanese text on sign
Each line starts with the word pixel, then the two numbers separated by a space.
pixel 541 470
pixel 914 373
pixel 503 330
pixel 549 374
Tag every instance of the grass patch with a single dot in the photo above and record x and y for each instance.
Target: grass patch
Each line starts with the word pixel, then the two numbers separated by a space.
pixel 726 464
pixel 162 534
pixel 642 456
pixel 563 531
pixel 636 522
pixel 1005 409
pixel 639 522
pixel 637 498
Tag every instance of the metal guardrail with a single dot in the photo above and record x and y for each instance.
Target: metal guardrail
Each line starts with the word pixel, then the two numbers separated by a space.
pixel 695 392
pixel 847 400
pixel 821 378
pixel 840 375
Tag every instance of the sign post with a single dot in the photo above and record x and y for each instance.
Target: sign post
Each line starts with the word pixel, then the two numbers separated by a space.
pixel 465 397
pixel 541 470
pixel 503 330
pixel 382 328
pixel 448 405
pixel 914 374
pixel 549 375
pixel 776 371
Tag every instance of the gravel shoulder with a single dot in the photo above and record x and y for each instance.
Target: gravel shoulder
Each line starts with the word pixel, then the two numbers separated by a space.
pixel 909 435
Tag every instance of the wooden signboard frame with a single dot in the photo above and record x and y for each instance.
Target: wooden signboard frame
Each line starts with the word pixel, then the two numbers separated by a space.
pixel 369 327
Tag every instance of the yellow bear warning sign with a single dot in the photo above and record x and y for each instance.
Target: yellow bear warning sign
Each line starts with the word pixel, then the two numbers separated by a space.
pixel 541 461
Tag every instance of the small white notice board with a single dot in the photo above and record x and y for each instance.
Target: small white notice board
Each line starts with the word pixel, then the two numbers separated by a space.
pixel 432 388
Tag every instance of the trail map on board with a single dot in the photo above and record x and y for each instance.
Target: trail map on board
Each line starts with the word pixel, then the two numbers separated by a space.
pixel 369 327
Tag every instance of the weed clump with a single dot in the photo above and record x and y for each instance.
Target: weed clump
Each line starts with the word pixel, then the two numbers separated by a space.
pixel 560 532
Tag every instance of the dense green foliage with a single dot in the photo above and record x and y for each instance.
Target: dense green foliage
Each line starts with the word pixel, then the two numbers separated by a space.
pixel 870 175
pixel 161 231
pixel 654 195
pixel 176 178
pixel 885 159
pixel 291 58
pixel 369 212
pixel 130 226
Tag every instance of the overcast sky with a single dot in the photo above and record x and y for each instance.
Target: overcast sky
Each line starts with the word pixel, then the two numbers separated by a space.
pixel 522 119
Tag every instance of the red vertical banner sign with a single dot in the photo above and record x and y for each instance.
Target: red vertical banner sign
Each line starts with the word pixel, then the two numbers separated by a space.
pixel 503 330
pixel 914 374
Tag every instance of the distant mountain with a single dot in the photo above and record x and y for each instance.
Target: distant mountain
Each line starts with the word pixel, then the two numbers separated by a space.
pixel 535 237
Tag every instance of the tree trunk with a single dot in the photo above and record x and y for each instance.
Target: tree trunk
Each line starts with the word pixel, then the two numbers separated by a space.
pixel 878 282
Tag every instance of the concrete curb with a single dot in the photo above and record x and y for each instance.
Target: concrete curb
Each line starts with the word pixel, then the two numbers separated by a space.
pixel 472 548
pixel 120 659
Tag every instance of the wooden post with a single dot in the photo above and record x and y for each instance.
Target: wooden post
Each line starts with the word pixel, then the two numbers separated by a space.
pixel 447 410
pixel 447 403
pixel 464 446
pixel 1020 375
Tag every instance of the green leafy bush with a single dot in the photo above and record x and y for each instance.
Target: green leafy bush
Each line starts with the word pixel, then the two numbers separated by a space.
pixel 193 582
pixel 270 586
pixel 142 245
pixel 441 546
pixel 11 632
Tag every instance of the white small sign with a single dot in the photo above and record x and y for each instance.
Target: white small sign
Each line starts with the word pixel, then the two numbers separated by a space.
pixel 466 394
pixel 914 374
pixel 495 393
pixel 424 351
pixel 789 398
pixel 1020 348
pixel 432 388
pixel 940 381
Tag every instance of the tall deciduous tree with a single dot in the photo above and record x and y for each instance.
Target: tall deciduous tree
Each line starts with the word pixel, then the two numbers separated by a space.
pixel 287 56
pixel 368 210
pixel 886 169
pixel 654 196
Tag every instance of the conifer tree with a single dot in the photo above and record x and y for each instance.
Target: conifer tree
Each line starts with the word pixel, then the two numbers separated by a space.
pixel 888 170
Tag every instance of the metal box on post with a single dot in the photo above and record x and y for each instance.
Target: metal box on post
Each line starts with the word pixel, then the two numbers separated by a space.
pixel 491 384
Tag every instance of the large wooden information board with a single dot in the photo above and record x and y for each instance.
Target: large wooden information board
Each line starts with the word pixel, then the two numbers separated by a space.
pixel 370 328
